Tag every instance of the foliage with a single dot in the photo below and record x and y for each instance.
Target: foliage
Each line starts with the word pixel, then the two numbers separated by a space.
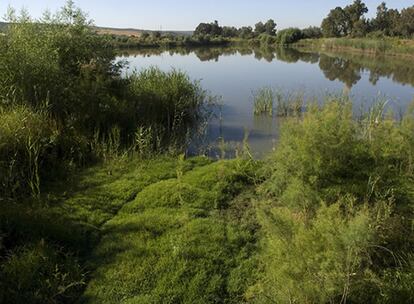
pixel 63 101
pixel 168 102
pixel 374 43
pixel 40 274
pixel 312 32
pixel 350 21
pixel 288 36
pixel 27 143
pixel 263 101
pixel 208 29
pixel 336 210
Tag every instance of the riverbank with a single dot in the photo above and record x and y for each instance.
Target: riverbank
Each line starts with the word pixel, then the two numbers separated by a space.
pixel 170 228
pixel 100 202
pixel 384 46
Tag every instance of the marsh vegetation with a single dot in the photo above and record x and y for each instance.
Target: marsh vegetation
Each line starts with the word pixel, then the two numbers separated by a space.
pixel 101 201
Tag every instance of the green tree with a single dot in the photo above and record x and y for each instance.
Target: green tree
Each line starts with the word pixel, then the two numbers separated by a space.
pixel 270 27
pixel 381 22
pixel 229 31
pixel 259 28
pixel 406 22
pixel 204 29
pixel 246 32
pixel 288 36
pixel 312 32
pixel 336 24
pixel 360 28
pixel 355 12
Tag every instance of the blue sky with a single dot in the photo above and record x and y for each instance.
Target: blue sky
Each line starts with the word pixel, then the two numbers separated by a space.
pixel 186 14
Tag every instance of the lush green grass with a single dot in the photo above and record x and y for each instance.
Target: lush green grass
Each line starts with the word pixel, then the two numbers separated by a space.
pixel 182 240
pixel 327 217
pixel 45 243
pixel 389 46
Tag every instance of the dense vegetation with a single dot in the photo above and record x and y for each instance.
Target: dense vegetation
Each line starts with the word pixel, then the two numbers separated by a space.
pixel 337 209
pixel 350 21
pixel 346 22
pixel 64 102
pixel 99 203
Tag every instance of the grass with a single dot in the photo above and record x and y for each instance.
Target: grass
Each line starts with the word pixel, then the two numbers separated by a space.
pixel 263 101
pixel 58 231
pixel 326 217
pixel 288 104
pixel 174 218
pixel 385 46
pixel 185 238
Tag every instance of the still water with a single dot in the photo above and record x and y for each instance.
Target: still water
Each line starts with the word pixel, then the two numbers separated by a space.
pixel 233 74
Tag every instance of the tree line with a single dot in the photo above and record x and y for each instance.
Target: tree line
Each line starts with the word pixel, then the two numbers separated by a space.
pixel 349 21
pixel 214 29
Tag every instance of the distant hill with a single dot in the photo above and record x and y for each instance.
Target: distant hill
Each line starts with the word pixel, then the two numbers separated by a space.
pixel 136 32
pixel 121 31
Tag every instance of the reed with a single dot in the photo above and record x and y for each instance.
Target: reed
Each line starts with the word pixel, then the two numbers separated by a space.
pixel 263 101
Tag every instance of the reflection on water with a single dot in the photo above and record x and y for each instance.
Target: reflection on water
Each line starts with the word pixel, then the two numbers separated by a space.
pixel 234 72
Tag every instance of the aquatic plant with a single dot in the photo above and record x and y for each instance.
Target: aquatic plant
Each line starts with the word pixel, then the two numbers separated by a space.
pixel 263 101
pixel 289 103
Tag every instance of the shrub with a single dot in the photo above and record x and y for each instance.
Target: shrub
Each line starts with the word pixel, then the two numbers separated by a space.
pixel 26 142
pixel 337 199
pixel 167 101
pixel 289 36
pixel 312 32
pixel 40 274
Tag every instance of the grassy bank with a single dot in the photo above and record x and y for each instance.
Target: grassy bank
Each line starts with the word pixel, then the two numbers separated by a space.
pixel 384 46
pixel 182 240
pixel 99 203
pixel 326 217
pixel 47 243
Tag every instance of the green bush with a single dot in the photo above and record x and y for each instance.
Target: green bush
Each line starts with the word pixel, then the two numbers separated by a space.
pixel 323 259
pixel 289 36
pixel 40 274
pixel 336 211
pixel 26 142
pixel 169 102
pixel 267 39
pixel 330 154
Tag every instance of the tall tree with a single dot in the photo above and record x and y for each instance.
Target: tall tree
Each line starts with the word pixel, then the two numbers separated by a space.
pixel 246 32
pixel 337 24
pixel 213 29
pixel 355 12
pixel 259 28
pixel 381 21
pixel 406 22
pixel 270 27
pixel 229 31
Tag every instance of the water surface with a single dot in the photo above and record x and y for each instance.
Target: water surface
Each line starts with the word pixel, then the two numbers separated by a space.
pixel 234 73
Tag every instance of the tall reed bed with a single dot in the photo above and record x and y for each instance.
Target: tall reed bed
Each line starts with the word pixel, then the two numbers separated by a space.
pixel 277 102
